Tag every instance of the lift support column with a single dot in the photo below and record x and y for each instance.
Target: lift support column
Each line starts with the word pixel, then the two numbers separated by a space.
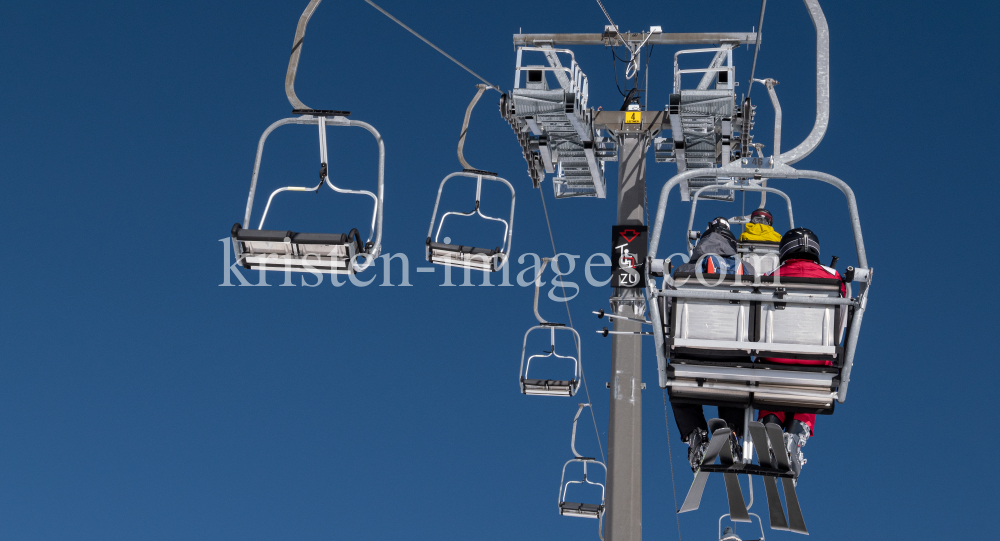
pixel 624 499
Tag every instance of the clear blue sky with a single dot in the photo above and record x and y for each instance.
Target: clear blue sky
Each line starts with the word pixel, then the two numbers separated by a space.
pixel 140 400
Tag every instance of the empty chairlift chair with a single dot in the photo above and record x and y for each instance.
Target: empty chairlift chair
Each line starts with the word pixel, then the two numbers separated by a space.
pixel 578 509
pixel 284 250
pixel 467 256
pixel 549 387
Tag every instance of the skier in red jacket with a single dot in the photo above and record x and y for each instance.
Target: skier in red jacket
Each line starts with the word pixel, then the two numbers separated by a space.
pixel 799 256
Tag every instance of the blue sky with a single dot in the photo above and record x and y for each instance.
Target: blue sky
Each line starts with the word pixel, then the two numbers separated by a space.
pixel 140 400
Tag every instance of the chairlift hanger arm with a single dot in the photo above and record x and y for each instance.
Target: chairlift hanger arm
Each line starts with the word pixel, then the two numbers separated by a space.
pixel 822 86
pixel 293 61
pixel 465 128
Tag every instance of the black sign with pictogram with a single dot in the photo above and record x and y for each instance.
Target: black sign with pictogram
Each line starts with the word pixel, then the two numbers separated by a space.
pixel 628 256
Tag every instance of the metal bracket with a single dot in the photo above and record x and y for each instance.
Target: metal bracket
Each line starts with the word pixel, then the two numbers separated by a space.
pixel 780 293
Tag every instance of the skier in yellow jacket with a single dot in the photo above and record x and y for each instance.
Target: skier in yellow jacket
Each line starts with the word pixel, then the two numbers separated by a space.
pixel 760 228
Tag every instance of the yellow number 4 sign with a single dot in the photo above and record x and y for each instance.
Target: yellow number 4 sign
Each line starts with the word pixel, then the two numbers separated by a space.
pixel 633 117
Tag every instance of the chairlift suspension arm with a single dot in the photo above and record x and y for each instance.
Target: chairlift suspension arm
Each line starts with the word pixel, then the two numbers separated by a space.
pixel 293 60
pixel 538 284
pixel 465 128
pixel 770 84
pixel 572 441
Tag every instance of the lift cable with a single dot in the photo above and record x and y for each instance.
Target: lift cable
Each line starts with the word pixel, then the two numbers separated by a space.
pixel 670 454
pixel 583 375
pixel 756 47
pixel 436 48
pixel 615 26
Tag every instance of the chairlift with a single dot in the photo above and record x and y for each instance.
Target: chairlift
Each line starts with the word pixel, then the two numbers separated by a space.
pixel 577 509
pixel 458 255
pixel 707 328
pixel 548 387
pixel 285 250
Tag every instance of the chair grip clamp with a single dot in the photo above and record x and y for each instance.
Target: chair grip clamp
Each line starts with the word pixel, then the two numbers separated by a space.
pixel 323 173
pixel 780 292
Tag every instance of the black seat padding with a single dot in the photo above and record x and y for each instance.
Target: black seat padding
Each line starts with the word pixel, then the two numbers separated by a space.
pixel 262 235
pixel 319 238
pixel 549 382
pixel 268 235
pixel 584 507
pixel 461 249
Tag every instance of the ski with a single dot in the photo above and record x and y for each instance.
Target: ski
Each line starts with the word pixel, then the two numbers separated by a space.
pixel 775 511
pixel 775 435
pixel 795 521
pixel 737 507
pixel 693 499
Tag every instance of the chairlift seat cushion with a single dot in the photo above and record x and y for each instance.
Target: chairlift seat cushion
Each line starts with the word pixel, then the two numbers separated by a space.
pixel 461 249
pixel 463 256
pixel 320 238
pixel 303 252
pixel 548 387
pixel 262 235
pixel 588 510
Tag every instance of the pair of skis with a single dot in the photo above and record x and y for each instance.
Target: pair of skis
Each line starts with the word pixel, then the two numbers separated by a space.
pixel 774 464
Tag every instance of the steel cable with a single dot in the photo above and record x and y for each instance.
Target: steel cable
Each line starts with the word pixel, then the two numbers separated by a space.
pixel 583 375
pixel 670 453
pixel 436 48
pixel 756 47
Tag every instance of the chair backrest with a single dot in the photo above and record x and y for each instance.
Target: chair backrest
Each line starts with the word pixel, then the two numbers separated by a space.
pixel 752 327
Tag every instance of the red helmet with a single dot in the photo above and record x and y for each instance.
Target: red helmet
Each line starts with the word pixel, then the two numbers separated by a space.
pixel 761 216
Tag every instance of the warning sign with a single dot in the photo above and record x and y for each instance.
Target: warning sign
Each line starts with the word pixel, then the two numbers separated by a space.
pixel 633 117
pixel 628 256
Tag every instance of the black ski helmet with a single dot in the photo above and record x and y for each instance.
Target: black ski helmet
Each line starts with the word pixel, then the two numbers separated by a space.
pixel 799 243
pixel 717 222
pixel 764 213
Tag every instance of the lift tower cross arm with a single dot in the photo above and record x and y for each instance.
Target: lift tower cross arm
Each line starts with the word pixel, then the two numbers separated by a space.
pixel 687 38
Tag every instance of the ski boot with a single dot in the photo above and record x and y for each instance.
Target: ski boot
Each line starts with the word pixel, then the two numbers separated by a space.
pixel 697 442
pixel 795 440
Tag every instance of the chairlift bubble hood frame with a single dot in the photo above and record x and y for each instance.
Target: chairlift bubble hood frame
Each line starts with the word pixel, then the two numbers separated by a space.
pixel 309 252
